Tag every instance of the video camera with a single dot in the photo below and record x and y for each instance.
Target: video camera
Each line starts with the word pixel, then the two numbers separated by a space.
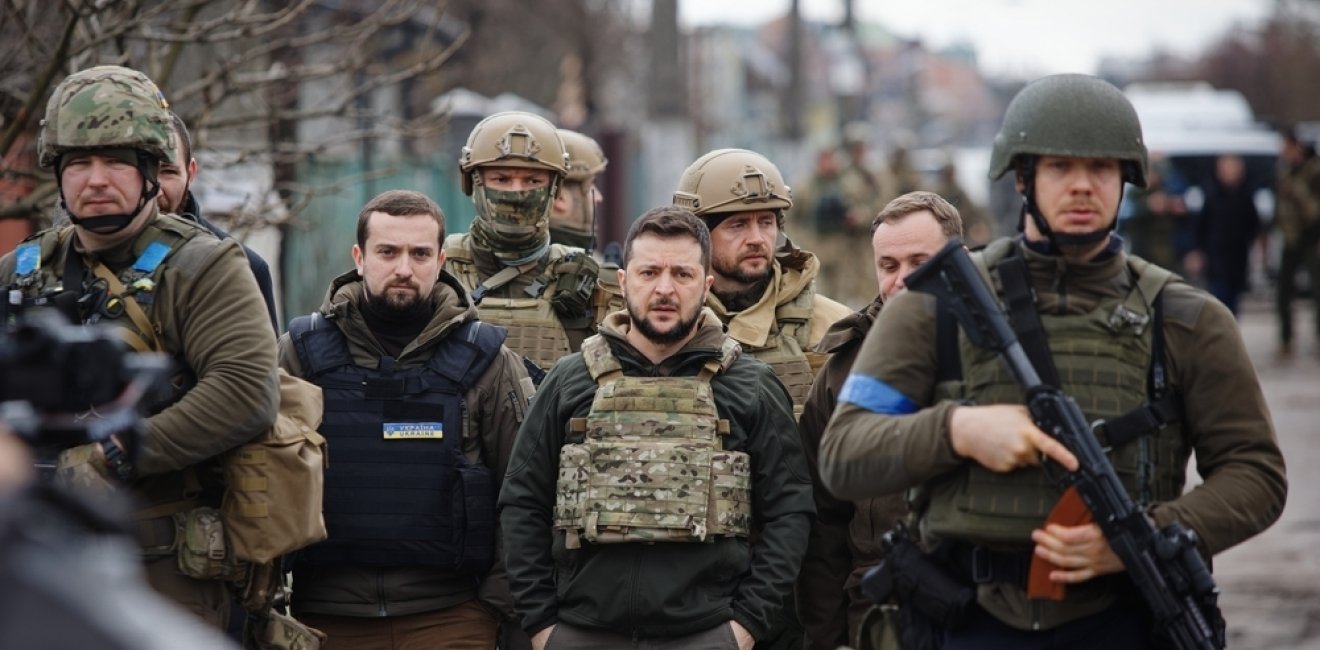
pixel 63 385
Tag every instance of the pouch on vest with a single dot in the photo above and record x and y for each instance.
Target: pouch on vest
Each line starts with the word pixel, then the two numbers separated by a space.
pixel 276 631
pixel 274 484
pixel 202 551
pixel 571 294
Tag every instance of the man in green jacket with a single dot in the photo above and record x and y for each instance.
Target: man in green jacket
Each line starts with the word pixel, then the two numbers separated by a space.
pixel 168 286
pixel 422 401
pixel 1098 320
pixel 659 434
pixel 845 537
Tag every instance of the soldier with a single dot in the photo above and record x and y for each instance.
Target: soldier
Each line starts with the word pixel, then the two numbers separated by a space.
pixel 599 500
pixel 1298 218
pixel 169 286
pixel 513 166
pixel 573 219
pixel 176 198
pixel 845 537
pixel 424 400
pixel 866 189
pixel 769 302
pixel 970 444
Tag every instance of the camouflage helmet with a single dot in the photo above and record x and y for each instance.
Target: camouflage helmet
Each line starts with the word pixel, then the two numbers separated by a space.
pixel 585 157
pixel 1071 115
pixel 732 180
pixel 513 139
pixel 106 107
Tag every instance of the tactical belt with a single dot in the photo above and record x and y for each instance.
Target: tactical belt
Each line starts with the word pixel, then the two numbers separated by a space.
pixel 982 565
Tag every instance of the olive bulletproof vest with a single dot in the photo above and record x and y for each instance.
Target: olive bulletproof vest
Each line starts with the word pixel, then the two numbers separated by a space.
pixel 535 330
pixel 651 466
pixel 1103 358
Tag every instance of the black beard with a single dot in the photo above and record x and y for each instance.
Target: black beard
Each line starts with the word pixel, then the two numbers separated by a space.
pixel 401 308
pixel 736 301
pixel 680 330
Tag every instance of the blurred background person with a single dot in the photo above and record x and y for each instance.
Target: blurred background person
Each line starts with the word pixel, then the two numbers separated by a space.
pixel 1225 230
pixel 1298 219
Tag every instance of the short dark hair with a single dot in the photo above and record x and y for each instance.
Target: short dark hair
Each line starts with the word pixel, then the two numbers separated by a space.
pixel 670 221
pixel 181 132
pixel 945 214
pixel 399 203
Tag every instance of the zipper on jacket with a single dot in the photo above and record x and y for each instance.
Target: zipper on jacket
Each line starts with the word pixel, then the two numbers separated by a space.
pixel 632 600
pixel 380 592
pixel 1035 615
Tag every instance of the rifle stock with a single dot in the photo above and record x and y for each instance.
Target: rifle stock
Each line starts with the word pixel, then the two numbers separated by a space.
pixel 1164 565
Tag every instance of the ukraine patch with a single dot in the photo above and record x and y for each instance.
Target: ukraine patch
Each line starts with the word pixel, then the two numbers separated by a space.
pixel 414 431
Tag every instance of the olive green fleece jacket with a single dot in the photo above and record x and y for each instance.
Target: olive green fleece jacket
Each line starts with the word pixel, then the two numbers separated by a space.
pixel 211 319
pixel 1225 418
pixel 498 404
pixel 845 535
pixel 662 589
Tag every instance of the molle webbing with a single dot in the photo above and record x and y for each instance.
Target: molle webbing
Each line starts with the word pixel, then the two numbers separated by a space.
pixel 651 466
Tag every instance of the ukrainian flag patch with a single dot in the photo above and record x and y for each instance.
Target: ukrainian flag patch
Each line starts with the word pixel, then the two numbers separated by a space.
pixel 414 431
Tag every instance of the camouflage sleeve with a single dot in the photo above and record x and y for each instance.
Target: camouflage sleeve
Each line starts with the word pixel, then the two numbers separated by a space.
pixel 781 502
pixel 215 316
pixel 886 435
pixel 1228 423
pixel 822 604
pixel 526 503
pixel 501 402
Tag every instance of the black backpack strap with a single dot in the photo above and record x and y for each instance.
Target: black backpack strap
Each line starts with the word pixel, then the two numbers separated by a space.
pixel 1020 300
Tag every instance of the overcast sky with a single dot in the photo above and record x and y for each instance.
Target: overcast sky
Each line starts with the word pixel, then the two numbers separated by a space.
pixel 1021 38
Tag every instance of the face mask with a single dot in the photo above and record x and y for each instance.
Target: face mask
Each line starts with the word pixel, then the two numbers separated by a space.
pixel 512 225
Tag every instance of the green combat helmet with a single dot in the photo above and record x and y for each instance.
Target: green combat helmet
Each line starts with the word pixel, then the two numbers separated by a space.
pixel 514 226
pixel 585 160
pixel 726 181
pixel 1071 115
pixel 114 110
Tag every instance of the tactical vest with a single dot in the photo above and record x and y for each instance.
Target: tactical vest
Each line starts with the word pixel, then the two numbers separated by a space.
pixel 536 330
pixel 400 491
pixel 127 302
pixel 786 349
pixel 1103 359
pixel 651 466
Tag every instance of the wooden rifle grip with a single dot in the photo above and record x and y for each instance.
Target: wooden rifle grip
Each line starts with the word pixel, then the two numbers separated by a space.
pixel 1070 510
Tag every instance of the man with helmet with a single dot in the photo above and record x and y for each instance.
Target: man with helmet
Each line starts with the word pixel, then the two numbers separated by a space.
pixel 765 293
pixel 513 166
pixel 1160 361
pixel 169 286
pixel 573 219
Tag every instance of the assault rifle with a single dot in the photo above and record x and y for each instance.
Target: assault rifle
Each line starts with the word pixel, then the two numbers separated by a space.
pixel 1163 564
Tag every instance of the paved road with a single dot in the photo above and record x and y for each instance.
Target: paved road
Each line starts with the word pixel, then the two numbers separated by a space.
pixel 1271 583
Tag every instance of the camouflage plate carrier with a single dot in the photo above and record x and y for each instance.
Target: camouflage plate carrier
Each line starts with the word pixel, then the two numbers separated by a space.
pixel 536 330
pixel 651 466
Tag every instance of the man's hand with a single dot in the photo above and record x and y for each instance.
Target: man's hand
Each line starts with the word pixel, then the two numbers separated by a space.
pixel 538 641
pixel 742 636
pixel 1002 438
pixel 1080 552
